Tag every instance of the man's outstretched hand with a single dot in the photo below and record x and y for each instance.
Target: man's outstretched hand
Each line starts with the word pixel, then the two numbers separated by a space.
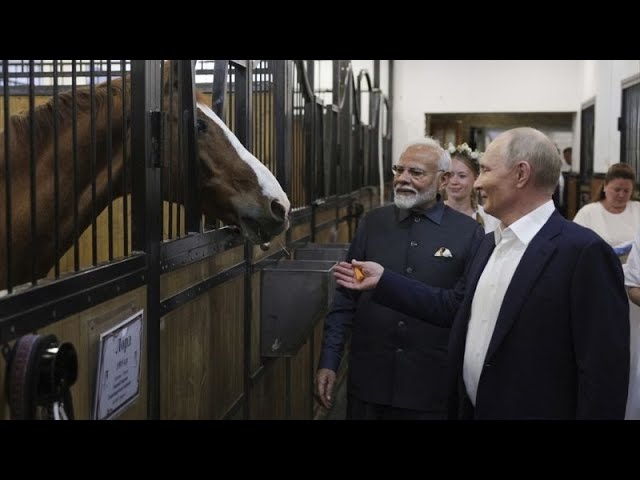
pixel 346 276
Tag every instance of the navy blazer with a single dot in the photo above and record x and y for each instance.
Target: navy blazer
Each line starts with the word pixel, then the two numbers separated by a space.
pixel 560 348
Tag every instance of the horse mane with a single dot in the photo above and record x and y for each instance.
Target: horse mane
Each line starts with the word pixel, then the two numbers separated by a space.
pixel 44 115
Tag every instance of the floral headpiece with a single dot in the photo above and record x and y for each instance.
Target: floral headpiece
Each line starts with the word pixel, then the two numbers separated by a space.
pixel 465 150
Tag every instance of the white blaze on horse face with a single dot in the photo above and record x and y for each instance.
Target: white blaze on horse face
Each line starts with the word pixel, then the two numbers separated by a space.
pixel 270 186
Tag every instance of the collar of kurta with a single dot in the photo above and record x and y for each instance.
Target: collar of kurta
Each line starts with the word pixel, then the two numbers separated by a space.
pixel 433 213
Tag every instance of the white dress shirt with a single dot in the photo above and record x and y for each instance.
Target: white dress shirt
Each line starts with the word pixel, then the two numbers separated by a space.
pixel 511 244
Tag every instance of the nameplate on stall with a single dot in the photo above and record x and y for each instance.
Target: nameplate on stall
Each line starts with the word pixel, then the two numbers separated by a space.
pixel 118 380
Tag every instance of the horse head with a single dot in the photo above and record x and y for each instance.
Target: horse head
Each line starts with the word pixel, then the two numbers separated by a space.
pixel 235 187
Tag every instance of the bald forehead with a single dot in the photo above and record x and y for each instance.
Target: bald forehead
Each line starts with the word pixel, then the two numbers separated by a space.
pixel 420 153
pixel 498 146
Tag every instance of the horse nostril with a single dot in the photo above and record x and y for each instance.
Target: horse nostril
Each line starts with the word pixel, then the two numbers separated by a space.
pixel 278 210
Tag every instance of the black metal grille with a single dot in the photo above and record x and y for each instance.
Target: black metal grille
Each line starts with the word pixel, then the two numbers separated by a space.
pixel 630 128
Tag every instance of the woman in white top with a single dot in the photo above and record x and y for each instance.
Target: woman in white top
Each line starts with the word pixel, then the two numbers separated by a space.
pixel 461 195
pixel 616 218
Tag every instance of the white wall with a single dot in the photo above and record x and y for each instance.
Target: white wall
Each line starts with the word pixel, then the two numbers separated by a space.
pixel 479 86
pixel 601 80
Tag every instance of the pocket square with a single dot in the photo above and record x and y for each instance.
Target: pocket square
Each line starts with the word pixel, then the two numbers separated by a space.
pixel 443 252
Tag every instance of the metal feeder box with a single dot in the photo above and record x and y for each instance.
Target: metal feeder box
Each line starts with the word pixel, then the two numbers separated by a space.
pixel 295 294
pixel 317 251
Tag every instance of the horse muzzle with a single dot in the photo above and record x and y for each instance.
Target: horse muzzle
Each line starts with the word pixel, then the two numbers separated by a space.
pixel 262 227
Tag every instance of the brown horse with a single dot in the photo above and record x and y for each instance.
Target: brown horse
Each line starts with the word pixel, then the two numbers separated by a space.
pixel 235 187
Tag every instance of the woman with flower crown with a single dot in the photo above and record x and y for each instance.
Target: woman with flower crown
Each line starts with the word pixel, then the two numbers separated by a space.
pixel 460 193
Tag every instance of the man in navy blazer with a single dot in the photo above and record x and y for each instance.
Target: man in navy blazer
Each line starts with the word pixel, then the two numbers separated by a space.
pixel 542 331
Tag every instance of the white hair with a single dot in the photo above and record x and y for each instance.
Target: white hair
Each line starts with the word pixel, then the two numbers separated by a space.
pixel 444 160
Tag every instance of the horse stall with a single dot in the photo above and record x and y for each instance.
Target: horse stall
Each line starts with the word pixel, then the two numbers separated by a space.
pixel 150 215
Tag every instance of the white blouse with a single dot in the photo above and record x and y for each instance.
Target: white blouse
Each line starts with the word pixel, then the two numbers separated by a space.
pixel 614 228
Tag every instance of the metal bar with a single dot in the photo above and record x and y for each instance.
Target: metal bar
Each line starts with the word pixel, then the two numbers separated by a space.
pixel 309 159
pixel 282 106
pixel 243 111
pixel 390 111
pixel 32 169
pixel 230 117
pixel 56 174
pixel 318 147
pixel 125 154
pixel 146 202
pixel 170 193
pixel 260 117
pixel 190 153
pixel 7 172
pixel 92 162
pixel 219 88
pixel 193 248
pixel 109 160
pixel 179 131
pixel 44 305
pixel 336 81
pixel 311 70
pixel 74 136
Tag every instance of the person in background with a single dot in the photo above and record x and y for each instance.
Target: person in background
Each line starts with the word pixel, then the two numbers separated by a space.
pixel 568 162
pixel 461 195
pixel 397 364
pixel 559 193
pixel 614 216
pixel 632 282
pixel 542 331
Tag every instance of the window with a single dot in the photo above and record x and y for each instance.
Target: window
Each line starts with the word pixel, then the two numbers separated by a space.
pixel 629 126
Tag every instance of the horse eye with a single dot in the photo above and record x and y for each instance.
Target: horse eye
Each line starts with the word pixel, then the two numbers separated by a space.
pixel 202 126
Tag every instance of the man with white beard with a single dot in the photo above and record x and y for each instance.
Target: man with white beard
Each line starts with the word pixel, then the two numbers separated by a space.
pixel 398 364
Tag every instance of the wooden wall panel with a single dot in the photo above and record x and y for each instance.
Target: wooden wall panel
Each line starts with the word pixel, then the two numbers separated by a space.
pixel 325 215
pixel 183 278
pixel 301 384
pixel 201 355
pixel 327 235
pixel 256 359
pixel 268 394
pixel 300 231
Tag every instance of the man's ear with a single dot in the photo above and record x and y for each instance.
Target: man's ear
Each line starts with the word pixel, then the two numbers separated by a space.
pixel 444 179
pixel 523 174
